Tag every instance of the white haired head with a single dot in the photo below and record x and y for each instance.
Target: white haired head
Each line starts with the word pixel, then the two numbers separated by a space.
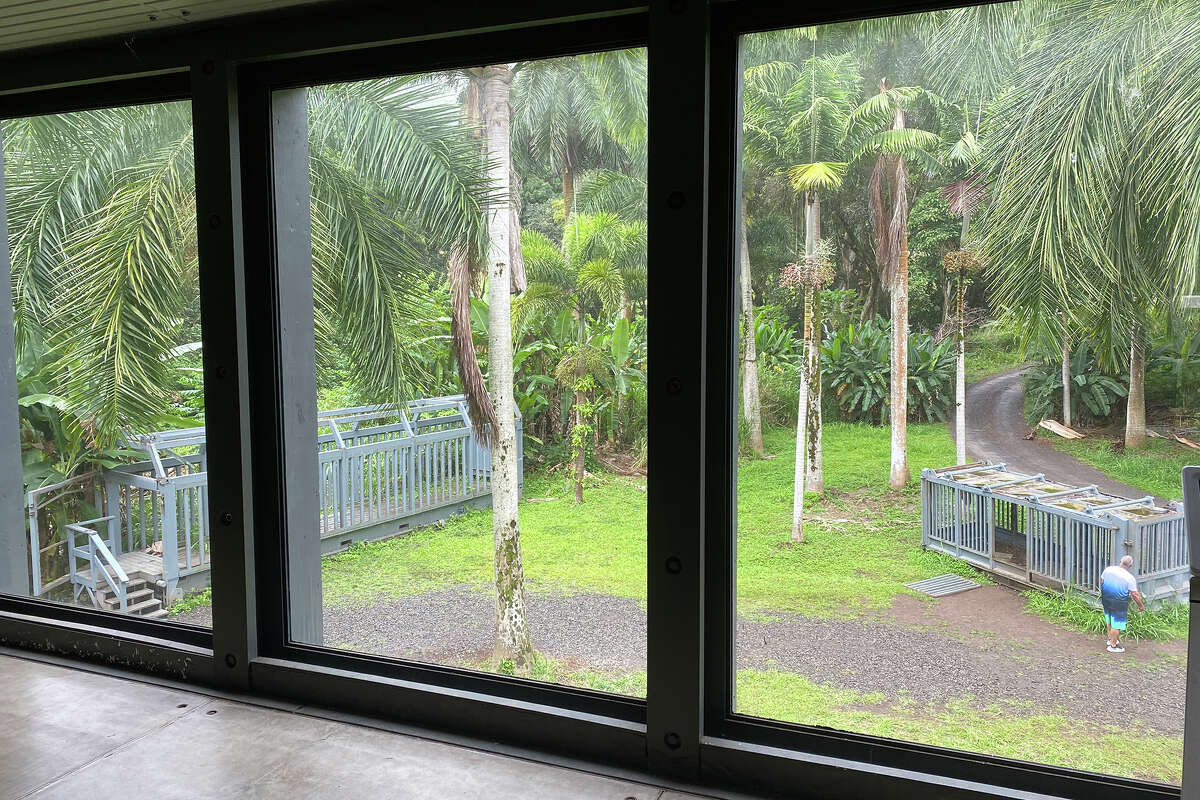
pixel 1127 562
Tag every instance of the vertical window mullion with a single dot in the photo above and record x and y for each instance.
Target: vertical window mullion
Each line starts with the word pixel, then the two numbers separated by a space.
pixel 223 331
pixel 678 99
pixel 13 558
pixel 721 388
pixel 297 354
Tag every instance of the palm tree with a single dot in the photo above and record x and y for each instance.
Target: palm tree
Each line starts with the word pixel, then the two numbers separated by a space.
pixel 600 258
pixel 963 196
pixel 487 104
pixel 878 128
pixel 102 220
pixel 1097 177
pixel 794 118
pixel 572 114
pixel 487 100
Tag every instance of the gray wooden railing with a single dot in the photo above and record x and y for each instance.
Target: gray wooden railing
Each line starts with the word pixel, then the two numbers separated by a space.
pixel 393 469
pixel 45 507
pixel 381 470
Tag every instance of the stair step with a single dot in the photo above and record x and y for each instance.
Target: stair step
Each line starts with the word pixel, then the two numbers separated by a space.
pixel 144 607
pixel 110 601
pixel 157 614
pixel 105 591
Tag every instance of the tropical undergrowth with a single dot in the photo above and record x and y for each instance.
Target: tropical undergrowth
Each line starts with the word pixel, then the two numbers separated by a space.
pixel 991 349
pixel 1072 611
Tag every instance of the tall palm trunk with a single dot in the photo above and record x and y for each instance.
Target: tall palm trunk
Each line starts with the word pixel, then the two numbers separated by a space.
pixel 568 189
pixel 814 477
pixel 751 401
pixel 512 631
pixel 577 436
pixel 1135 411
pixel 960 350
pixel 800 471
pixel 899 358
pixel 1066 379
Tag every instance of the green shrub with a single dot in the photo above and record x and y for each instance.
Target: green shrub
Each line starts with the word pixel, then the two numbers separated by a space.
pixel 1173 370
pixel 779 395
pixel 1095 395
pixel 856 370
pixel 1071 610
pixel 992 348
pixel 775 343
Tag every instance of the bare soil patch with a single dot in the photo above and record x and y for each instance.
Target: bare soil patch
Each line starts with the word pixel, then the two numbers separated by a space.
pixel 999 612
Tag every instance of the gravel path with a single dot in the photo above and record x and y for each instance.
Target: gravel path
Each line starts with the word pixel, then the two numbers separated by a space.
pixel 932 652
pixel 599 632
pixel 996 429
pixel 976 644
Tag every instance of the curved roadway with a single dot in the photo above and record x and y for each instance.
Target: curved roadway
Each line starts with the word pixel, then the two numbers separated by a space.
pixel 996 430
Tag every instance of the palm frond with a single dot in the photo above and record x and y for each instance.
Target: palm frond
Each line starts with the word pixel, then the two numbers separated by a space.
pixel 114 322
pixel 821 175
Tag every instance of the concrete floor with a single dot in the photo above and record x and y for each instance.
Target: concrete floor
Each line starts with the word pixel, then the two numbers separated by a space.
pixel 68 733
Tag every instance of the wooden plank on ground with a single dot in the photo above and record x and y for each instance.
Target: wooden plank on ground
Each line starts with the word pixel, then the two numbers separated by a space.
pixel 1183 440
pixel 1060 429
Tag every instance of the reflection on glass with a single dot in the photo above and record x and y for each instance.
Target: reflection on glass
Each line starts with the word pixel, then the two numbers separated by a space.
pixel 104 475
pixel 479 266
pixel 956 226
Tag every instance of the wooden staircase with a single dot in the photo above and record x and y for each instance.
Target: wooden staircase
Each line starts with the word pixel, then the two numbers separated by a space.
pixel 141 598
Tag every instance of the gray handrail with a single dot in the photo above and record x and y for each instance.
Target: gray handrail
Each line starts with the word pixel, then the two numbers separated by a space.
pixel 118 587
pixel 106 558
pixel 107 555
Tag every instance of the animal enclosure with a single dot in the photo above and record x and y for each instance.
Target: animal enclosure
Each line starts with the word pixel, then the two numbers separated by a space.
pixel 1044 533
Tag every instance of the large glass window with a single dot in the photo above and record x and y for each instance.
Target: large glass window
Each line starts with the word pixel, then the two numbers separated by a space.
pixel 478 305
pixel 103 474
pixel 969 379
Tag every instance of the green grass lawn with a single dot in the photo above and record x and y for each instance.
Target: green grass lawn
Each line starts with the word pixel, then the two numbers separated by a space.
pixel 862 542
pixel 990 351
pixel 1008 729
pixel 1153 469
pixel 599 546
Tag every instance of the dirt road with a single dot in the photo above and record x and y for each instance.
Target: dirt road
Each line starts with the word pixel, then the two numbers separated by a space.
pixel 996 430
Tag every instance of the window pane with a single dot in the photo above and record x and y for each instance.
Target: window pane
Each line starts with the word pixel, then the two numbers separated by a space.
pixel 1018 177
pixel 104 457
pixel 478 293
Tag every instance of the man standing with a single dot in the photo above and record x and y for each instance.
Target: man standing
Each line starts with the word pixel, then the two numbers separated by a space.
pixel 1117 585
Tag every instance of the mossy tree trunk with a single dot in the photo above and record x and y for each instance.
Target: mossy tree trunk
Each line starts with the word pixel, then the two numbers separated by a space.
pixel 512 642
pixel 814 473
pixel 960 370
pixel 751 400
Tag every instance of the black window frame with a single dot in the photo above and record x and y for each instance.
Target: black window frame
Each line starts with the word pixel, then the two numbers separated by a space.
pixel 740 743
pixel 261 169
pixel 28 612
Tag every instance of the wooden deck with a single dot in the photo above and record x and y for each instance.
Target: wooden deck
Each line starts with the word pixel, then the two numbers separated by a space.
pixel 142 564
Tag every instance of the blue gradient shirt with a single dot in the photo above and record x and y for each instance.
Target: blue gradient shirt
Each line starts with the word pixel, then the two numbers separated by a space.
pixel 1117 583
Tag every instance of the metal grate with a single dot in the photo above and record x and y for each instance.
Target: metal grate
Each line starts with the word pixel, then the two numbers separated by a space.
pixel 943 585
